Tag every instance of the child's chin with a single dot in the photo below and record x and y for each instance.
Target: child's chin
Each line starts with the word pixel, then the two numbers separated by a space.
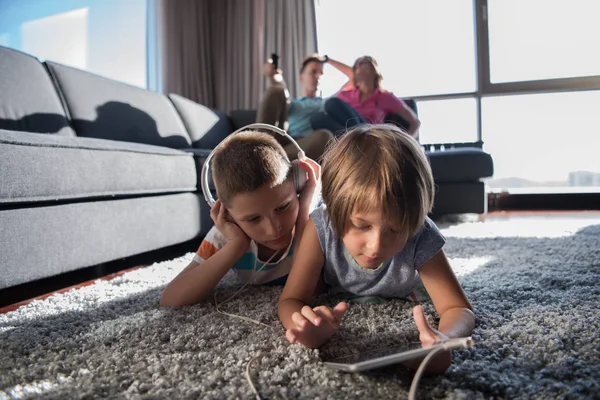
pixel 280 245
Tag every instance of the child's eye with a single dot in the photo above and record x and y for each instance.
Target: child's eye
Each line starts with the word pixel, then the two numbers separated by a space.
pixel 283 207
pixel 362 227
pixel 253 220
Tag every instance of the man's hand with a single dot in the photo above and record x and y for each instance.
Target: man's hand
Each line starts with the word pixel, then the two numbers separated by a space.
pixel 314 326
pixel 269 69
pixel 225 224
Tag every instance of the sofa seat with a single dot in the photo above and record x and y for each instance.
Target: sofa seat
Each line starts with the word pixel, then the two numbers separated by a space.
pixel 38 167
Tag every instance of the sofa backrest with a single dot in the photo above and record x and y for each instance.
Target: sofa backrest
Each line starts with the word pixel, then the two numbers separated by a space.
pixel 207 127
pixel 29 101
pixel 106 109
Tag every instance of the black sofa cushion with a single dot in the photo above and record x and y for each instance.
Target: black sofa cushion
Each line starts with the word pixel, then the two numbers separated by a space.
pixel 29 101
pixel 460 164
pixel 106 109
pixel 52 168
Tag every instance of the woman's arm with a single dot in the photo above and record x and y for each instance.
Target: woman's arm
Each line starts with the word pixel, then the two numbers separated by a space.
pixel 413 121
pixel 344 69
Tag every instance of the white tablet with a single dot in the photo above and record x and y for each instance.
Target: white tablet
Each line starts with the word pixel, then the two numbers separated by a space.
pixel 382 357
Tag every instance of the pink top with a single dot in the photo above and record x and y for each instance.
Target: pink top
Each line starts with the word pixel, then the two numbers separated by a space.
pixel 375 107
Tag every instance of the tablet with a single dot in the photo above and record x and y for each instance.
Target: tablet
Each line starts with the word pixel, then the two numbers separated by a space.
pixel 385 356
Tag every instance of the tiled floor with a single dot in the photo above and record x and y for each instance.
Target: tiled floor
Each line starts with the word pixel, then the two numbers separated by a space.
pixel 492 216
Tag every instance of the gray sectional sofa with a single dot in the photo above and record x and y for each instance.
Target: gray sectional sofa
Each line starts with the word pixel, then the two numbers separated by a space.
pixel 93 170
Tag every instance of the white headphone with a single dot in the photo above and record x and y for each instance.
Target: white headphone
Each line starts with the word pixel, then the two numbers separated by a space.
pixel 299 176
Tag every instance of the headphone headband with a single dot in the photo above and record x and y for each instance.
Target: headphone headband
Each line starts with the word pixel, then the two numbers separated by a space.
pixel 204 173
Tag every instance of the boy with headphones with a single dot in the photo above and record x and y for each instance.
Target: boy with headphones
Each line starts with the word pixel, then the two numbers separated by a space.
pixel 263 203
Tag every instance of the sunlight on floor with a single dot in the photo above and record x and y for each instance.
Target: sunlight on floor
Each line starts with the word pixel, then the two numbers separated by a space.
pixel 464 266
pixel 533 227
pixel 29 390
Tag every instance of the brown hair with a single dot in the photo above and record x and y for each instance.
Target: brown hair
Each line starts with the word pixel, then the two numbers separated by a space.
pixel 246 161
pixel 373 62
pixel 377 167
pixel 312 58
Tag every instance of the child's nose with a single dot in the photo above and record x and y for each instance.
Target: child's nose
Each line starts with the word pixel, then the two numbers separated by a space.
pixel 374 242
pixel 273 226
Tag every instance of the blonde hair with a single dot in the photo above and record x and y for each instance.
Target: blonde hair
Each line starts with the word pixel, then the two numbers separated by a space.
pixel 373 62
pixel 377 167
pixel 246 161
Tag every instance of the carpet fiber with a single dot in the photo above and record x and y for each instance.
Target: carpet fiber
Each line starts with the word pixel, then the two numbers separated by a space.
pixel 535 286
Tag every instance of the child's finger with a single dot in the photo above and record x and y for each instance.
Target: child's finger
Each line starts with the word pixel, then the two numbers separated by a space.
pixel 290 336
pixel 426 333
pixel 339 310
pixel 299 320
pixel 327 314
pixel 214 210
pixel 309 168
pixel 311 316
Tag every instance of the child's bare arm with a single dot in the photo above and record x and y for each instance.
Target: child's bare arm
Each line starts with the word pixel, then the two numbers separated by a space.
pixel 197 281
pixel 308 326
pixel 450 301
pixel 304 275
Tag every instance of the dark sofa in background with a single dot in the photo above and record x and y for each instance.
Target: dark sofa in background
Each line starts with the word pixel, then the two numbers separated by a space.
pixel 458 170
pixel 93 170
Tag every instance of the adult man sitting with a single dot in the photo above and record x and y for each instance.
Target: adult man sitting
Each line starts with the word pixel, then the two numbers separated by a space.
pixel 293 115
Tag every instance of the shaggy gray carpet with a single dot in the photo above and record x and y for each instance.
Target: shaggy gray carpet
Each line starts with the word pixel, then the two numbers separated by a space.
pixel 534 285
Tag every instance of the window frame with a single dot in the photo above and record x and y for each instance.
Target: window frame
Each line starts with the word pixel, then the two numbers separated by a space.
pixel 486 88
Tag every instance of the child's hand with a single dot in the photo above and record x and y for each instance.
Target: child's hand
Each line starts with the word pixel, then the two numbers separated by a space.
pixel 226 225
pixel 313 171
pixel 429 336
pixel 313 326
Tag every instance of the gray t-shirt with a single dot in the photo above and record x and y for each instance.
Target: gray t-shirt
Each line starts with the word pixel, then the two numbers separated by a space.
pixel 395 277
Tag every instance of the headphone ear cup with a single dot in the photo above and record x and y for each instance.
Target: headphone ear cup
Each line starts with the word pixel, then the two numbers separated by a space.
pixel 299 176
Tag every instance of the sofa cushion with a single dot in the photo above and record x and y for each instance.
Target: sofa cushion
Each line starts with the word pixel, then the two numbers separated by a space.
pixel 44 241
pixel 53 168
pixel 460 164
pixel 207 127
pixel 106 109
pixel 28 99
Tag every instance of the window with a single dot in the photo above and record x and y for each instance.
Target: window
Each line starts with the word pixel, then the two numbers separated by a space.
pixel 106 37
pixel 422 47
pixel 543 140
pixel 445 121
pixel 541 39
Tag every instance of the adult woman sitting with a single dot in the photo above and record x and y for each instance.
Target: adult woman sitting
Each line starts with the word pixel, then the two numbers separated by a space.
pixel 365 99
